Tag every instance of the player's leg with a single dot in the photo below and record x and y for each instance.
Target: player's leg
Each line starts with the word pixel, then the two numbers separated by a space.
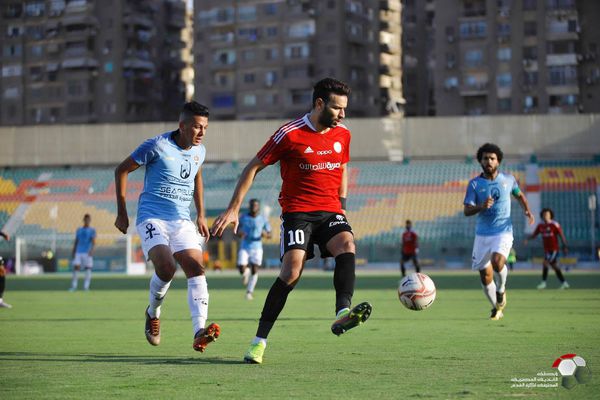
pixel 545 268
pixel 481 262
pixel 415 261
pixel 563 282
pixel 164 270
pixel 89 263
pixel 74 278
pixel 291 270
pixel 339 243
pixel 255 261
pixel 402 267
pixel 500 275
pixel 242 262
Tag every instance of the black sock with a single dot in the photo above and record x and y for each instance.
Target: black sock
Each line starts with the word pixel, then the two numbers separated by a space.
pixel 403 270
pixel 559 274
pixel 545 274
pixel 274 303
pixel 343 280
pixel 2 285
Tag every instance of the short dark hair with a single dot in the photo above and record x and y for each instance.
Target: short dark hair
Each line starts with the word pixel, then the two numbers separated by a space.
pixel 408 221
pixel 87 216
pixel 191 109
pixel 325 87
pixel 254 201
pixel 549 210
pixel 490 148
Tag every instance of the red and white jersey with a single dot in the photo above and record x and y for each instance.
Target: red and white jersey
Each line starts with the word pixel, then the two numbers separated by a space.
pixel 549 232
pixel 409 242
pixel 310 165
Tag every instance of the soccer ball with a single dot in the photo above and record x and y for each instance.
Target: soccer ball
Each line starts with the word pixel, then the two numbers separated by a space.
pixel 573 370
pixel 416 291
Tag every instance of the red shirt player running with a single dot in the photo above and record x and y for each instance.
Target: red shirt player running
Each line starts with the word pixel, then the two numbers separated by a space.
pixel 410 248
pixel 550 231
pixel 312 152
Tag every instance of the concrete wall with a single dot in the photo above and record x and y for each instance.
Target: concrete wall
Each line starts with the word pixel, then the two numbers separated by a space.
pixel 555 136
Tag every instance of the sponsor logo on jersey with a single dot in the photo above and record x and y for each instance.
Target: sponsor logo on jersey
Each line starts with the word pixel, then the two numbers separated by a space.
pixel 308 150
pixel 319 166
pixel 324 152
pixel 337 146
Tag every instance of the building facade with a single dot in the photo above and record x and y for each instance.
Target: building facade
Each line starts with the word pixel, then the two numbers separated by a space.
pixel 86 61
pixel 503 56
pixel 259 59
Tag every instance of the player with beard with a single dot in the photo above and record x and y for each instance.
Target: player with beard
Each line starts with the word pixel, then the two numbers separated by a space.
pixel 313 152
pixel 488 196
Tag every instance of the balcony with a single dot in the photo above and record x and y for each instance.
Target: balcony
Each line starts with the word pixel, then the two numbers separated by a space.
pixel 561 59
pixel 139 21
pixel 80 63
pixel 476 89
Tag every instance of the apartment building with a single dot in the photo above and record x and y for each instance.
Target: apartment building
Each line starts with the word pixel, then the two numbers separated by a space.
pixel 86 61
pixel 260 59
pixel 502 56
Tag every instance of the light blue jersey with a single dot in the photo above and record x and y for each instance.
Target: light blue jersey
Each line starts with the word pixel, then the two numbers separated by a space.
pixel 85 237
pixel 496 220
pixel 169 179
pixel 253 228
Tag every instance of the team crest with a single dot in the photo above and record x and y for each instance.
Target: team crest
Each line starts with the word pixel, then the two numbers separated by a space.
pixel 186 169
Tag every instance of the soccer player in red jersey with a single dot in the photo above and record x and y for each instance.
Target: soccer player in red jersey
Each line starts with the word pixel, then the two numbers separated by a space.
pixel 410 248
pixel 313 152
pixel 551 231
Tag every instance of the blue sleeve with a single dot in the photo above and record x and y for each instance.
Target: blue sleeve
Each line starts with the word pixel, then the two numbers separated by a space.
pixel 515 187
pixel 470 196
pixel 145 153
pixel 267 226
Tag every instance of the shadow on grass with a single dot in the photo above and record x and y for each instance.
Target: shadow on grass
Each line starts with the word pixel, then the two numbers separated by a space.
pixel 110 358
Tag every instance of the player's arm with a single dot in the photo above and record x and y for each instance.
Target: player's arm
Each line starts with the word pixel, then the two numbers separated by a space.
pixel 199 203
pixel 5 235
pixel 343 192
pixel 533 235
pixel 93 245
pixel 266 233
pixel 233 209
pixel 472 209
pixel 524 205
pixel 121 172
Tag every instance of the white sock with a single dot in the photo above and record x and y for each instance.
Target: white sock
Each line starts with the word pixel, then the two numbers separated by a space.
pixel 158 291
pixel 257 340
pixel 198 301
pixel 88 278
pixel 500 278
pixel 490 293
pixel 74 280
pixel 252 283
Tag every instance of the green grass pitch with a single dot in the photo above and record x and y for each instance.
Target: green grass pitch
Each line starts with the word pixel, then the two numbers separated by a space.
pixel 55 344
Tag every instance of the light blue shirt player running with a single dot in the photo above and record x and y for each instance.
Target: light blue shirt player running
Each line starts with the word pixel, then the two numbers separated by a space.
pixel 253 228
pixel 495 220
pixel 169 180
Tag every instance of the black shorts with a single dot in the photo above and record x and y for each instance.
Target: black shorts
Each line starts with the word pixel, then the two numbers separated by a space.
pixel 551 256
pixel 304 230
pixel 408 256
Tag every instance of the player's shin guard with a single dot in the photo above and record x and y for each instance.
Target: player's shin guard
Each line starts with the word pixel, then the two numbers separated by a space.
pixel 343 280
pixel 252 283
pixel 274 303
pixel 74 280
pixel 158 291
pixel 88 278
pixel 198 301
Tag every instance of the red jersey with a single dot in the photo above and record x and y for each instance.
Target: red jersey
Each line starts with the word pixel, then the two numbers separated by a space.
pixel 310 164
pixel 409 242
pixel 549 232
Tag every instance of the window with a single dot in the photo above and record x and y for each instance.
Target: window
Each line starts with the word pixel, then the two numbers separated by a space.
pixel 471 30
pixel 302 29
pixel 562 75
pixel 11 70
pixel 504 54
pixel 505 105
pixel 474 58
pixel 56 7
pixel 36 74
pixel 11 93
pixel 503 30
pixel 37 50
pixel 270 8
pixel 504 80
pixel 249 78
pixel 34 9
pixel 249 34
pixel 529 5
pixel 248 55
pixel 560 4
pixel 299 50
pixel 247 13
pixel 529 53
pixel 301 97
pixel 271 31
pixel 563 100
pixel 271 54
pixel 13 31
pixel 530 28
pixel 271 99
pixel 530 78
pixel 224 57
pixel 249 100
pixel 451 82
pixel 12 50
pixel 223 100
pixel 560 47
pixel 74 88
pixel 270 78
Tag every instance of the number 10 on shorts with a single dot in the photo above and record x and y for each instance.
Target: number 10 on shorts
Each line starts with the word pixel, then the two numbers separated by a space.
pixel 296 237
